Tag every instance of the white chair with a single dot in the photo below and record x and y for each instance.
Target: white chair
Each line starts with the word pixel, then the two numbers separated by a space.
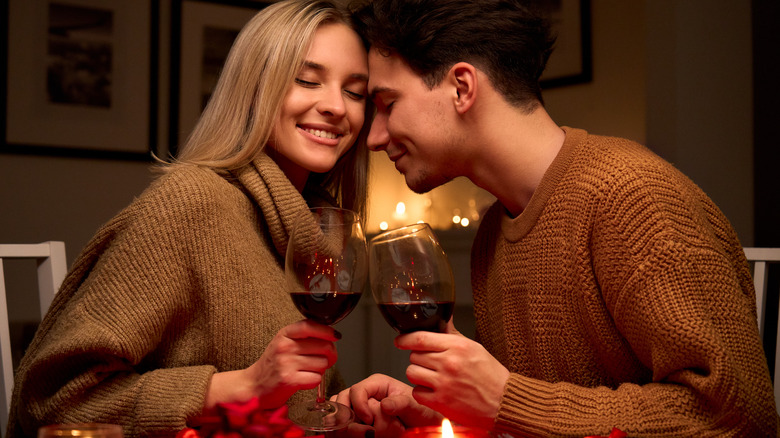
pixel 52 267
pixel 761 257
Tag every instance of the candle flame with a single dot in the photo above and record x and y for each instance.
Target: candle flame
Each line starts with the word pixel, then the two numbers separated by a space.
pixel 446 429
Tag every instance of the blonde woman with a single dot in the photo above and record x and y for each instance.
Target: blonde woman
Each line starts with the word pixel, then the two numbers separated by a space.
pixel 179 303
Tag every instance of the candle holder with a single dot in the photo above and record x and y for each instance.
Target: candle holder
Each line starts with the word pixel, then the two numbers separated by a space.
pixel 439 432
pixel 83 430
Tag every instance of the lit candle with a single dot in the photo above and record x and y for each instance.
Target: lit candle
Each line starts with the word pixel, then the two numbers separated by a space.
pixel 446 430
pixel 399 215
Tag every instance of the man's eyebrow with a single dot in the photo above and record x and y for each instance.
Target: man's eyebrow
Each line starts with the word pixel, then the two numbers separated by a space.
pixel 317 66
pixel 377 90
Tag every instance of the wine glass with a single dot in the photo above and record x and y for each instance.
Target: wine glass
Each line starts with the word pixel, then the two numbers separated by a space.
pixel 411 279
pixel 84 430
pixel 326 267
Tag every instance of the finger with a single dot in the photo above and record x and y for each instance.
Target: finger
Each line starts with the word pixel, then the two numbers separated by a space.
pixel 342 397
pixel 425 359
pixel 307 345
pixel 385 425
pixel 424 395
pixel 309 329
pixel 358 399
pixel 388 426
pixel 410 412
pixel 353 430
pixel 422 341
pixel 421 376
pixel 314 364
pixel 307 379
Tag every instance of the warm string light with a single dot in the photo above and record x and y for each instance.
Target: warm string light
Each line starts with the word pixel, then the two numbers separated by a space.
pixel 463 221
pixel 421 210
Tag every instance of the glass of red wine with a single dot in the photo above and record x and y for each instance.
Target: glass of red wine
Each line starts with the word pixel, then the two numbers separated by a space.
pixel 411 279
pixel 326 267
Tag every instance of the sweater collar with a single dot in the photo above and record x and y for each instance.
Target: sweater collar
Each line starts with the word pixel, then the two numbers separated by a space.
pixel 515 228
pixel 278 200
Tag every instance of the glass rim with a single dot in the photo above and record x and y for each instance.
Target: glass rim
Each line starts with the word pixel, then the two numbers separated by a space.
pixel 353 215
pixel 401 232
pixel 82 429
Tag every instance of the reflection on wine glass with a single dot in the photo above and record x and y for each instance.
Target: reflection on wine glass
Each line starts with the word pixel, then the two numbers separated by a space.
pixel 326 267
pixel 411 279
pixel 86 430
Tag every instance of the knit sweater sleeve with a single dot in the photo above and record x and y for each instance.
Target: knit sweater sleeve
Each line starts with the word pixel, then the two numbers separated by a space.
pixel 97 355
pixel 667 291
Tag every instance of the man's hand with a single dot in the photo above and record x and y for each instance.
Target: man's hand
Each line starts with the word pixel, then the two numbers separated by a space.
pixel 454 376
pixel 385 405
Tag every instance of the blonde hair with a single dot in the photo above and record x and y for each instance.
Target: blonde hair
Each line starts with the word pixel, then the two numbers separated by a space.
pixel 262 64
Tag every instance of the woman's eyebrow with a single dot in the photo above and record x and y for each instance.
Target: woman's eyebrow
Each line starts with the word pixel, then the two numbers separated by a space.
pixel 319 67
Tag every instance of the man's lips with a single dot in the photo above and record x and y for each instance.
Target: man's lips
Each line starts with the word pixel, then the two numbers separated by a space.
pixel 395 155
pixel 395 159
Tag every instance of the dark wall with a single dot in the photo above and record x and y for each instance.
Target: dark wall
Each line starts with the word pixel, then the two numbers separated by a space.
pixel 766 95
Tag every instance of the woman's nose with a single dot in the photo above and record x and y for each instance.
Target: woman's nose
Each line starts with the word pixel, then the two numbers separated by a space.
pixel 332 103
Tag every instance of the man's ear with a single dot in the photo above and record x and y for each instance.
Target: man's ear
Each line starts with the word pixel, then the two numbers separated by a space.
pixel 463 76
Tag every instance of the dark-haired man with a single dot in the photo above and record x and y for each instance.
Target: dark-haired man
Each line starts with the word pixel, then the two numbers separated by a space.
pixel 609 290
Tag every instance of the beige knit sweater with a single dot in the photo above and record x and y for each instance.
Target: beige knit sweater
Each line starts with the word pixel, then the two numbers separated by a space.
pixel 620 297
pixel 186 281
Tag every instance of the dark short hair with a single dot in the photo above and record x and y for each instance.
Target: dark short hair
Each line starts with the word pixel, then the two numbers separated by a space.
pixel 508 41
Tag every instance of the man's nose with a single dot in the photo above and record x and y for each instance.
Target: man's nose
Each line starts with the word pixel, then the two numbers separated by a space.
pixel 378 137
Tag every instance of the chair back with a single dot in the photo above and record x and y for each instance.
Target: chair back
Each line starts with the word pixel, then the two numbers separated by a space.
pixel 52 267
pixel 761 258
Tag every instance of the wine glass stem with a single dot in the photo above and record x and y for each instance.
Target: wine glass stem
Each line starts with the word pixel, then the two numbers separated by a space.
pixel 321 392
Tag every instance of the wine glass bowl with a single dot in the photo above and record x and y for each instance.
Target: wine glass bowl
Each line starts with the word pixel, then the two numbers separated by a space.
pixel 326 267
pixel 411 279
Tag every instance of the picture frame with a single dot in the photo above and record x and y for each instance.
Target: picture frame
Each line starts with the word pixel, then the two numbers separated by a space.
pixel 80 78
pixel 202 32
pixel 571 59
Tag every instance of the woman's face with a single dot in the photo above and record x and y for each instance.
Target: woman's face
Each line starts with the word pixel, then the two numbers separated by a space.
pixel 323 111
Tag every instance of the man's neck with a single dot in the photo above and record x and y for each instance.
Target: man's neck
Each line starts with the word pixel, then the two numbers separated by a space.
pixel 518 149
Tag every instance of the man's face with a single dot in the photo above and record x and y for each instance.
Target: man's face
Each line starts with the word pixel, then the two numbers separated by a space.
pixel 412 123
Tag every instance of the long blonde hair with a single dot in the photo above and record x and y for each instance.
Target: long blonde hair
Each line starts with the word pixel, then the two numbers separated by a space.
pixel 262 64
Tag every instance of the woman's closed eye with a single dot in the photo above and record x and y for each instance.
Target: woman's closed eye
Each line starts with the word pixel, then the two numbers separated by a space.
pixel 307 84
pixel 355 94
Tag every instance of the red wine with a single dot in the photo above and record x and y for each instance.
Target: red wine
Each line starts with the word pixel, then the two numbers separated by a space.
pixel 407 317
pixel 325 307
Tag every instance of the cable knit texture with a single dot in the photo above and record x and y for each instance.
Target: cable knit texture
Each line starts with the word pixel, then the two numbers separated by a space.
pixel 620 297
pixel 186 281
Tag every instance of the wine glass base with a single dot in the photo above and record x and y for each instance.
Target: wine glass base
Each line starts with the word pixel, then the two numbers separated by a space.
pixel 321 417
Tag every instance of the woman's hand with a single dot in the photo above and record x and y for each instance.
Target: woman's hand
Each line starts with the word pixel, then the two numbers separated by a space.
pixel 295 359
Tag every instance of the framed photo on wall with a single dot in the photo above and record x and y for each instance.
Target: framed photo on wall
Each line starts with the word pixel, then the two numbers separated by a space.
pixel 79 77
pixel 202 33
pixel 571 60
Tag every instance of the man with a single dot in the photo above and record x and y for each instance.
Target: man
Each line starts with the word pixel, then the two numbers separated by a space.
pixel 609 290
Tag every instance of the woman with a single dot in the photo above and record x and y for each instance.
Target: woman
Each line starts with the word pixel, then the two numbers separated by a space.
pixel 179 302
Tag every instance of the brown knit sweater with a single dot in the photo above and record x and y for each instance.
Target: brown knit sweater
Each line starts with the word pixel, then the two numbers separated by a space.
pixel 620 297
pixel 186 281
